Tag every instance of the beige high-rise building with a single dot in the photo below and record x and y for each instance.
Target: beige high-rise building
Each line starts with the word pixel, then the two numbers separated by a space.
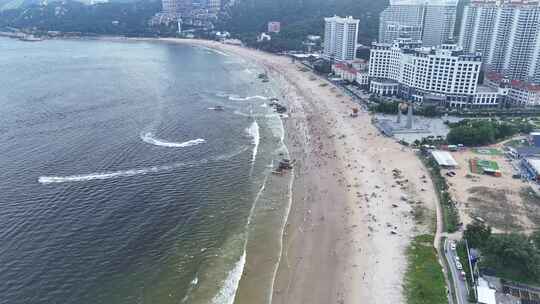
pixel 340 38
pixel 176 8
pixel 431 21
pixel 214 5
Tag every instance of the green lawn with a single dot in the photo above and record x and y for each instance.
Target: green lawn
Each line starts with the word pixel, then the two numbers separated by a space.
pixel 487 151
pixel 424 279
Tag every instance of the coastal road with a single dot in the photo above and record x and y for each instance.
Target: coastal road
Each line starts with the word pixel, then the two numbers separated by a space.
pixel 460 285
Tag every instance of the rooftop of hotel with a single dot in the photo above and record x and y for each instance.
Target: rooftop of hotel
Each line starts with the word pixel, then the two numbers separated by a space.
pixel 506 2
pixel 516 84
pixel 409 46
pixel 424 2
pixel 486 89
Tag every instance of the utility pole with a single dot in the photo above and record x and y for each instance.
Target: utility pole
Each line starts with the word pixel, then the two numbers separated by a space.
pixel 472 270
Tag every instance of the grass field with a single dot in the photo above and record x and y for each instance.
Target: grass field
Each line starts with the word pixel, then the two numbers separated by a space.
pixel 487 151
pixel 480 166
pixel 424 279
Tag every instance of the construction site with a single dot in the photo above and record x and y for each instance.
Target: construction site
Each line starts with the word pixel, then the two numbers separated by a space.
pixel 486 186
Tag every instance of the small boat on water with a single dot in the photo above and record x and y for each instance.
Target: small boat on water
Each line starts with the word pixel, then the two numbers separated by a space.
pixel 217 108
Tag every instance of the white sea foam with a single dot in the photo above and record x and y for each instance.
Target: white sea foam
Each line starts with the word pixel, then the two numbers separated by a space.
pixel 236 98
pixel 150 139
pixel 227 293
pixel 284 224
pixel 221 53
pixel 222 94
pixel 216 51
pixel 236 112
pixel 253 131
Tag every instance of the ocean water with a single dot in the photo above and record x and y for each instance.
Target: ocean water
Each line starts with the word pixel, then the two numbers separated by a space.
pixel 119 183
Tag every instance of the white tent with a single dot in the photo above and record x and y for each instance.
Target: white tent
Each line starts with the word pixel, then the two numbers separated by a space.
pixel 486 295
pixel 444 159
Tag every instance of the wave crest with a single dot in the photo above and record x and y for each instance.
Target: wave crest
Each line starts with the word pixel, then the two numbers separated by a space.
pixel 253 132
pixel 149 138
pixel 227 293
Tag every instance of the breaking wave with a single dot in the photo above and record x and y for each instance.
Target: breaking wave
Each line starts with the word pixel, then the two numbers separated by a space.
pixel 227 293
pixel 253 132
pixel 150 139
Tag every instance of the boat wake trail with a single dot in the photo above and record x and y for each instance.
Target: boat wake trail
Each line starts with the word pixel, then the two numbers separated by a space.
pixel 236 98
pixel 131 172
pixel 253 131
pixel 150 139
pixel 110 175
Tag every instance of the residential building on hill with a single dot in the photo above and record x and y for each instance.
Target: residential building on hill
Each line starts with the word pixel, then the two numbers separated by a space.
pixel 507 33
pixel 431 21
pixel 340 38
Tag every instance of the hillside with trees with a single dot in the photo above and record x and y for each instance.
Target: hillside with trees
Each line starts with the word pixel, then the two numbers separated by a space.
pixel 70 16
pixel 245 19
pixel 300 18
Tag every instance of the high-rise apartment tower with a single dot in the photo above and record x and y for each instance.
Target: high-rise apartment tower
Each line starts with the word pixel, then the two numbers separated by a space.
pixel 507 33
pixel 431 21
pixel 340 38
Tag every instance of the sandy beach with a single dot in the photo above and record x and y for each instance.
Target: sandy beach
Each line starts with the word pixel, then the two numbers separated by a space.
pixel 353 195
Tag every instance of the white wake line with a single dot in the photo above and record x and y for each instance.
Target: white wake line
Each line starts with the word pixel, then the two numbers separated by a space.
pixel 248 98
pixel 149 138
pixel 129 173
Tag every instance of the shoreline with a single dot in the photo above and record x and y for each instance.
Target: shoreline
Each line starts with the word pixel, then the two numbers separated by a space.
pixel 351 220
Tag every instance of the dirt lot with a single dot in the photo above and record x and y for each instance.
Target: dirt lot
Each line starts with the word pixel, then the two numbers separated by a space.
pixel 505 203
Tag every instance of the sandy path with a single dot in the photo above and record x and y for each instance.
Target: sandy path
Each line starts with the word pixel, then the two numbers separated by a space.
pixel 350 222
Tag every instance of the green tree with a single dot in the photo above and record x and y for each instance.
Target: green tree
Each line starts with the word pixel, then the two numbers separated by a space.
pixel 477 234
pixel 535 238
pixel 429 111
pixel 513 255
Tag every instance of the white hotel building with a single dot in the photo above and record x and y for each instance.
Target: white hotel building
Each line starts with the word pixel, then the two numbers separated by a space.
pixel 445 74
pixel 340 38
